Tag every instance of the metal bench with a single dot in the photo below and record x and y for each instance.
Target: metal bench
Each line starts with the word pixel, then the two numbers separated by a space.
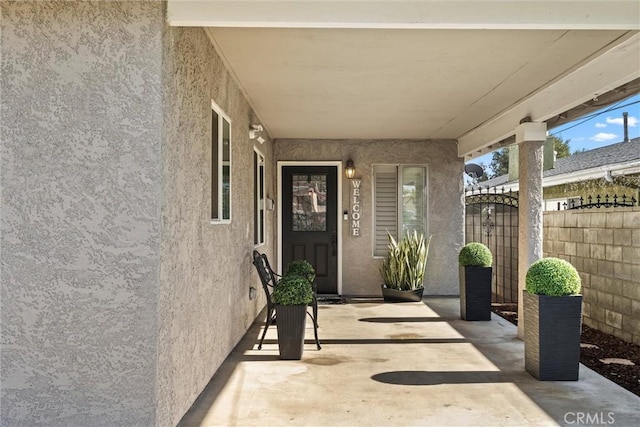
pixel 269 279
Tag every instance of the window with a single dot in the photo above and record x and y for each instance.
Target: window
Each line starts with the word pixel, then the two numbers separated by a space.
pixel 309 202
pixel 220 165
pixel 400 202
pixel 258 195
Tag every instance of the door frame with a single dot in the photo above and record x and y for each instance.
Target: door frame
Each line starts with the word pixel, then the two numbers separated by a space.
pixel 338 164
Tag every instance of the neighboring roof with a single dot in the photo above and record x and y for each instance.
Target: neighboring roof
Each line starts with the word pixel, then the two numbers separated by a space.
pixel 604 157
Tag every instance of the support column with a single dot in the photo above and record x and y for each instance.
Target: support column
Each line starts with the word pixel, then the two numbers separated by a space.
pixel 530 137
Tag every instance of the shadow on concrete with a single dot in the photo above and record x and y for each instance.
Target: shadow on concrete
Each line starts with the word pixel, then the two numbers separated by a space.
pixel 400 339
pixel 497 341
pixel 443 377
pixel 402 319
pixel 197 412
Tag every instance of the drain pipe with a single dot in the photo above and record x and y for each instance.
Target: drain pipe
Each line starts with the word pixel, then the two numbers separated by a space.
pixel 625 117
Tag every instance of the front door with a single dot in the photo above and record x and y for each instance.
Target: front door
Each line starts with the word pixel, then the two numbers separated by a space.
pixel 309 221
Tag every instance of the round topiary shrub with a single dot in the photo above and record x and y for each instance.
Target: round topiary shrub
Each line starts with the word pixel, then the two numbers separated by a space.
pixel 302 268
pixel 475 254
pixel 293 290
pixel 552 276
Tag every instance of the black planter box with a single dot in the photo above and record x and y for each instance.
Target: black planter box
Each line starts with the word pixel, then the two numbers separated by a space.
pixel 552 336
pixel 475 293
pixel 291 327
pixel 396 295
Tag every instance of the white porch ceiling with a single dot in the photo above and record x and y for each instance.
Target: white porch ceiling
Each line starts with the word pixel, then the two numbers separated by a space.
pixel 362 73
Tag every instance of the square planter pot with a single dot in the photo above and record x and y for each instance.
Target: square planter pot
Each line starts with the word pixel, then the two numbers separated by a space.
pixel 291 328
pixel 396 295
pixel 552 336
pixel 475 293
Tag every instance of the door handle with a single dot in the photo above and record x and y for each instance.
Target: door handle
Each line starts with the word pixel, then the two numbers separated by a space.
pixel 334 242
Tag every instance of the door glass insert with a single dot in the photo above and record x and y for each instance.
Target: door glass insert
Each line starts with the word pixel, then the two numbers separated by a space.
pixel 309 206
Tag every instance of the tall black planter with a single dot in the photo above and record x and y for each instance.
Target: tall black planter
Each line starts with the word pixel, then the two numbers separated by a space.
pixel 291 327
pixel 552 336
pixel 475 293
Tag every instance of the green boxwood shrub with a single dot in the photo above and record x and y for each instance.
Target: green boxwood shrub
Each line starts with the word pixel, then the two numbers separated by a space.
pixel 552 276
pixel 293 290
pixel 301 268
pixel 475 254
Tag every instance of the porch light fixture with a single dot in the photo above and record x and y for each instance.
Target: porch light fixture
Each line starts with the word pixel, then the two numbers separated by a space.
pixel 350 170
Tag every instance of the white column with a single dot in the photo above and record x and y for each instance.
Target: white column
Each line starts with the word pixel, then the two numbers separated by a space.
pixel 530 138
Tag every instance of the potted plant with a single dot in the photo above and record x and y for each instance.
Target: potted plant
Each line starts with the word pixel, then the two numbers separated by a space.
pixel 304 269
pixel 291 296
pixel 301 268
pixel 404 267
pixel 552 320
pixel 475 261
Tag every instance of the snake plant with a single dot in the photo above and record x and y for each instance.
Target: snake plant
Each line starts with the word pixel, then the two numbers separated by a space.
pixel 406 262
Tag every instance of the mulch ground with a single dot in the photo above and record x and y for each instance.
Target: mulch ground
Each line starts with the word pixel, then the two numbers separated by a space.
pixel 596 347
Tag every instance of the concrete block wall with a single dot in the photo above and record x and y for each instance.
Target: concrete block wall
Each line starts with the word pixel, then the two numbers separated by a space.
pixel 604 246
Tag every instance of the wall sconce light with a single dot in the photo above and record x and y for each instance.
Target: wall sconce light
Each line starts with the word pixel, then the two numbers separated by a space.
pixel 350 170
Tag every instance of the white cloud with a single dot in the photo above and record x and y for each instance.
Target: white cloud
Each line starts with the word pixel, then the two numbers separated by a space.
pixel 601 125
pixel 603 136
pixel 632 121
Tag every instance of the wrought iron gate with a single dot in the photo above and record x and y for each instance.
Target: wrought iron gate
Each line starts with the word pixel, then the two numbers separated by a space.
pixel 492 218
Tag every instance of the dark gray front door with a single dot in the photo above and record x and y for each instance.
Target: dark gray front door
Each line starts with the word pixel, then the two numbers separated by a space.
pixel 309 221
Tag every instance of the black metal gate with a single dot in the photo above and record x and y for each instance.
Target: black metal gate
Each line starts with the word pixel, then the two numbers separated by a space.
pixel 492 218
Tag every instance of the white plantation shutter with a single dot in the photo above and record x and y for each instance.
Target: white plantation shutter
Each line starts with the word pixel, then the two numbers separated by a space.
pixel 385 207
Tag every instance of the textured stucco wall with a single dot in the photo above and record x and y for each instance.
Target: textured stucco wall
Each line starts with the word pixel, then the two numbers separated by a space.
pixel 81 183
pixel 206 269
pixel 445 214
pixel 529 210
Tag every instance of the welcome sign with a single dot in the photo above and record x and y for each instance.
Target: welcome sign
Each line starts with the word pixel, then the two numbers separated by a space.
pixel 354 197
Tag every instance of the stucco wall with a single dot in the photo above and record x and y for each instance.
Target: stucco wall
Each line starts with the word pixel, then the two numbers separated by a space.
pixel 445 214
pixel 81 183
pixel 206 269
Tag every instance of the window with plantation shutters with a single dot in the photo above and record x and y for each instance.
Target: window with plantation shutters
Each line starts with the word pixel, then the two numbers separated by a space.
pixel 385 206
pixel 400 202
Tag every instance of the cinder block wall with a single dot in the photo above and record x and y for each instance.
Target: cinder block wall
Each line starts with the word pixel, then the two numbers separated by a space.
pixel 604 246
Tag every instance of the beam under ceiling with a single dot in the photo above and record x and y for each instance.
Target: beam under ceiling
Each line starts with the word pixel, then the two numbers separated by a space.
pixel 620 65
pixel 436 14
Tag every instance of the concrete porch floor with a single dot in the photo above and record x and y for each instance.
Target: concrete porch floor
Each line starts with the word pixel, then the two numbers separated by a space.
pixel 385 364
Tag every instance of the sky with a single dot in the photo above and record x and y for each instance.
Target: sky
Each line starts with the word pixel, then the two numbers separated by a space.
pixel 595 130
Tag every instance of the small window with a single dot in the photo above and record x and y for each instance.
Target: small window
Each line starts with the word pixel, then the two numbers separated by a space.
pixel 400 202
pixel 259 202
pixel 220 165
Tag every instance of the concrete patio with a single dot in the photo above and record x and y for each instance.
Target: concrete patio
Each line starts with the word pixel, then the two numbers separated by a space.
pixel 398 365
